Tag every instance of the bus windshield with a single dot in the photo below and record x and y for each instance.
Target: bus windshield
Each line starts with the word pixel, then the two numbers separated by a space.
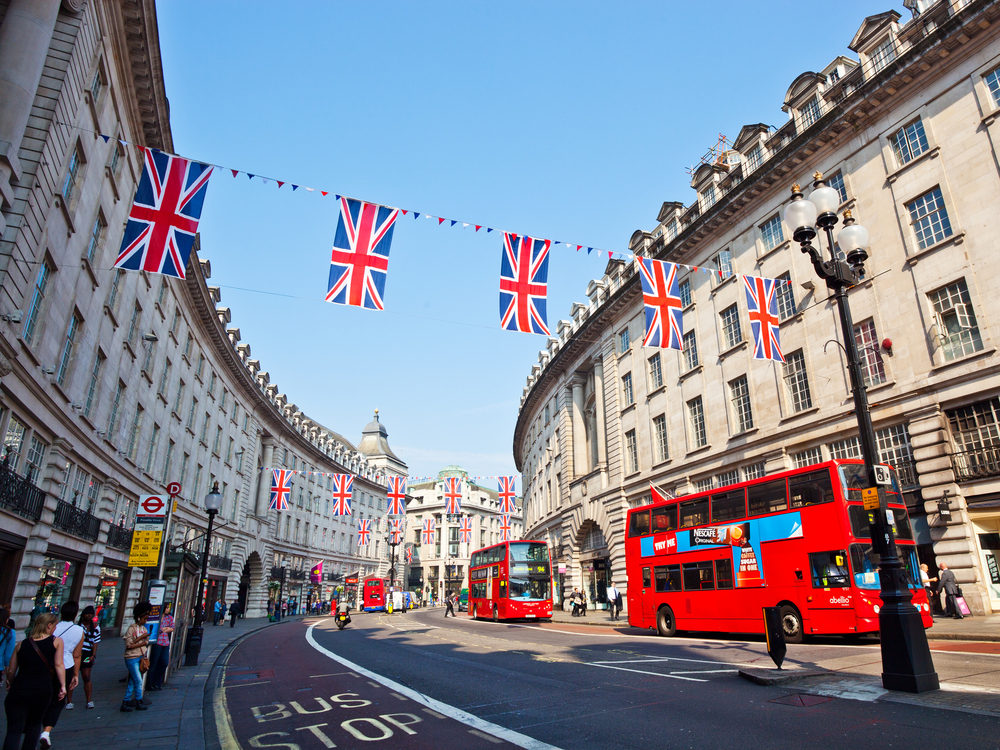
pixel 529 572
pixel 532 589
pixel 529 552
pixel 864 562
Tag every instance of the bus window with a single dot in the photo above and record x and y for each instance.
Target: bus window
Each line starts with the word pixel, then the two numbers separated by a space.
pixel 810 489
pixel 503 589
pixel 668 578
pixel 729 506
pixel 864 563
pixel 638 523
pixel 647 579
pixel 769 497
pixel 860 523
pixel 829 569
pixel 724 573
pixel 698 576
pixel 665 519
pixel 694 512
pixel 501 554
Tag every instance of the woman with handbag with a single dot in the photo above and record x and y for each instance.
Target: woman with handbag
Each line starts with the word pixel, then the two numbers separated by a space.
pixel 36 675
pixel 136 662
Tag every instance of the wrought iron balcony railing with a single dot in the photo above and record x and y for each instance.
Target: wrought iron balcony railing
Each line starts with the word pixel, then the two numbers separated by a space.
pixel 219 562
pixel 19 495
pixel 77 521
pixel 977 463
pixel 120 537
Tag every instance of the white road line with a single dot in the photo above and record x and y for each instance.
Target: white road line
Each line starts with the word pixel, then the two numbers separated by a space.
pixel 676 658
pixel 643 671
pixel 705 671
pixel 515 738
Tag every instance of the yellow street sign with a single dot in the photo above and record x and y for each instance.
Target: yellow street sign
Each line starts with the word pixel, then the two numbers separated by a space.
pixel 145 552
pixel 870 496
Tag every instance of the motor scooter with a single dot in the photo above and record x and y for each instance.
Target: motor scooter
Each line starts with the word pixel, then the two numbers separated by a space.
pixel 342 619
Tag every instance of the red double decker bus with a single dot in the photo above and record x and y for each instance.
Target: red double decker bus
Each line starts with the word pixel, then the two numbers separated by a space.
pixel 798 540
pixel 511 580
pixel 373 594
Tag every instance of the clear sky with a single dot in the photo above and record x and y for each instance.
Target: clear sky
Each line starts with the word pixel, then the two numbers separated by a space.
pixel 567 121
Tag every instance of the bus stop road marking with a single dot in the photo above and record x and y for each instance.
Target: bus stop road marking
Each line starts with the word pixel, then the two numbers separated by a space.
pixel 643 671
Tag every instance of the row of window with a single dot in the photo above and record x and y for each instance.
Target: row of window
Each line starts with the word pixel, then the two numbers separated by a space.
pixel 706 575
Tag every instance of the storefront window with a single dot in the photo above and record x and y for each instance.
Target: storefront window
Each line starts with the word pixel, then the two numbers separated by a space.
pixel 108 597
pixel 55 586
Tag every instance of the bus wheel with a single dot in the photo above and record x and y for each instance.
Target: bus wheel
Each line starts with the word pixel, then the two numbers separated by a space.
pixel 791 623
pixel 496 614
pixel 665 623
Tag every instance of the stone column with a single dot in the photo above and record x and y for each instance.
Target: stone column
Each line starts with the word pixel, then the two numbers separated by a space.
pixel 25 36
pixel 264 490
pixel 580 463
pixel 601 428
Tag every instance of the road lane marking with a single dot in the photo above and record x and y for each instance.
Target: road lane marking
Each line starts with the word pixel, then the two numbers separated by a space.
pixel 643 671
pixel 515 738
pixel 485 736
pixel 332 674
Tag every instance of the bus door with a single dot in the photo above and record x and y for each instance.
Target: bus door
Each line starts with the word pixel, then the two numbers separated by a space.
pixel 832 607
pixel 646 597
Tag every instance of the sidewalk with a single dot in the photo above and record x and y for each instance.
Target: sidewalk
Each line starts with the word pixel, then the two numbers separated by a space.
pixel 173 721
pixel 985 628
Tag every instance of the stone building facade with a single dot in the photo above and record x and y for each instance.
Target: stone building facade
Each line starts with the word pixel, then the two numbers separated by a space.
pixel 906 131
pixel 113 383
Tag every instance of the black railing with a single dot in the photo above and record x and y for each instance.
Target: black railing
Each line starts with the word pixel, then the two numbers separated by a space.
pixel 277 574
pixel 297 575
pixel 120 537
pixel 977 463
pixel 20 495
pixel 219 562
pixel 77 521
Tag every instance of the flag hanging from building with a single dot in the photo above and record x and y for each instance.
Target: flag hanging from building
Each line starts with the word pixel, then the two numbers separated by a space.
pixel 364 532
pixel 429 530
pixel 409 555
pixel 343 486
pixel 505 532
pixel 281 490
pixel 396 529
pixel 662 299
pixel 452 495
pixel 396 496
pixel 359 261
pixel 524 269
pixel 465 530
pixel 165 212
pixel 507 503
pixel 316 574
pixel 762 306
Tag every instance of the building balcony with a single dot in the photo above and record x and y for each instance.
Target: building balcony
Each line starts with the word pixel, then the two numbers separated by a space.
pixel 120 537
pixel 277 574
pixel 219 562
pixel 77 521
pixel 19 495
pixel 297 575
pixel 978 463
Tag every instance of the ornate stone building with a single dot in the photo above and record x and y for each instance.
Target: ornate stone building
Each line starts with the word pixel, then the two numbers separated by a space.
pixel 113 383
pixel 906 132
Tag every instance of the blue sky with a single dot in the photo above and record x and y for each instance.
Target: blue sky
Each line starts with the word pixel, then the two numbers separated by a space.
pixel 568 121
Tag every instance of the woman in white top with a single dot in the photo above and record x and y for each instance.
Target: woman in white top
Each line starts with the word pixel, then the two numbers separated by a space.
pixel 72 638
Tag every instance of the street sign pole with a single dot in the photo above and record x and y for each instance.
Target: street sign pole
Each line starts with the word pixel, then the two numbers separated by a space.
pixel 173 489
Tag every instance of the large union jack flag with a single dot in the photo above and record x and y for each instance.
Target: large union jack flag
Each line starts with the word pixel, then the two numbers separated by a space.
pixel 524 269
pixel 396 496
pixel 343 486
pixel 165 212
pixel 762 305
pixel 430 528
pixel 505 532
pixel 364 532
pixel 409 555
pixel 465 530
pixel 452 495
pixel 507 503
pixel 281 490
pixel 360 258
pixel 661 296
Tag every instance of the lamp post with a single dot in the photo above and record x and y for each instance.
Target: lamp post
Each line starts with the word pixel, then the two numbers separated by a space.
pixel 392 544
pixel 213 503
pixel 906 657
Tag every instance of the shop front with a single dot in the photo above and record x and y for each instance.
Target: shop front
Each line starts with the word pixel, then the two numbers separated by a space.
pixel 112 592
pixel 985 518
pixel 60 580
pixel 11 552
pixel 595 580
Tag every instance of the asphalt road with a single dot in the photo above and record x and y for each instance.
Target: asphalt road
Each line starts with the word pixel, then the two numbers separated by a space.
pixel 581 687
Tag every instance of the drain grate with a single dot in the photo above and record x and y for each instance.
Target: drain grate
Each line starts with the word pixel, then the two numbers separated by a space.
pixel 801 699
pixel 243 677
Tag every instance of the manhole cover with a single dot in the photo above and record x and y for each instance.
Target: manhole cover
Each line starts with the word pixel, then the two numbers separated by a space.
pixel 242 677
pixel 801 699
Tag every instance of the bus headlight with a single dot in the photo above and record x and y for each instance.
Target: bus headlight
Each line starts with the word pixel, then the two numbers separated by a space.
pixel 926 608
pixel 876 608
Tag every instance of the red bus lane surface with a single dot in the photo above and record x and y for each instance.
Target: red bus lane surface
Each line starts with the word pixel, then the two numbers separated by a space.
pixel 277 691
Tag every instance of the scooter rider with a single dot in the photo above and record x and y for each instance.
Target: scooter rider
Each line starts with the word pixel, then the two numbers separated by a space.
pixel 345 608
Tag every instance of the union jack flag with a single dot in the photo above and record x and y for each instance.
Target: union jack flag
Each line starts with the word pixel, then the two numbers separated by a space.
pixel 452 495
pixel 507 494
pixel 524 269
pixel 465 530
pixel 409 555
pixel 505 532
pixel 396 496
pixel 661 296
pixel 762 305
pixel 164 216
pixel 430 529
pixel 343 486
pixel 281 491
pixel 360 258
pixel 364 532
pixel 396 528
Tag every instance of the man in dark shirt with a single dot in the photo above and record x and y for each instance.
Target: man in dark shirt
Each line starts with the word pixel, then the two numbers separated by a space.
pixel 947 582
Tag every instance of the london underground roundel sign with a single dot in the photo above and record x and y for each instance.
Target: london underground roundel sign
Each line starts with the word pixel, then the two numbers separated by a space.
pixel 152 505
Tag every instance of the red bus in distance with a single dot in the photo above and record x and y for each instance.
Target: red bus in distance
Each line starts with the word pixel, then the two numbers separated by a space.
pixel 798 540
pixel 511 580
pixel 373 594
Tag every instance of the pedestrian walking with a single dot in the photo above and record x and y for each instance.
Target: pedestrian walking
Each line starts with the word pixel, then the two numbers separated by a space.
pixel 8 640
pixel 159 652
pixel 222 613
pixel 926 581
pixel 72 638
pixel 35 676
pixel 136 645
pixel 614 600
pixel 234 611
pixel 449 604
pixel 946 581
pixel 91 637
pixel 217 610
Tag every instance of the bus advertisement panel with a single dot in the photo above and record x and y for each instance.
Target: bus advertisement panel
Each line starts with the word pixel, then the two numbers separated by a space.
pixel 798 540
pixel 511 580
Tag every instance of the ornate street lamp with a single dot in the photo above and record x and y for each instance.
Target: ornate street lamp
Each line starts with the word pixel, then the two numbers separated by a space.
pixel 213 503
pixel 906 657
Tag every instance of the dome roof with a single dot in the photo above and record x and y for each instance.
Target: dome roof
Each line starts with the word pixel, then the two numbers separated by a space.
pixel 375 440
pixel 452 471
